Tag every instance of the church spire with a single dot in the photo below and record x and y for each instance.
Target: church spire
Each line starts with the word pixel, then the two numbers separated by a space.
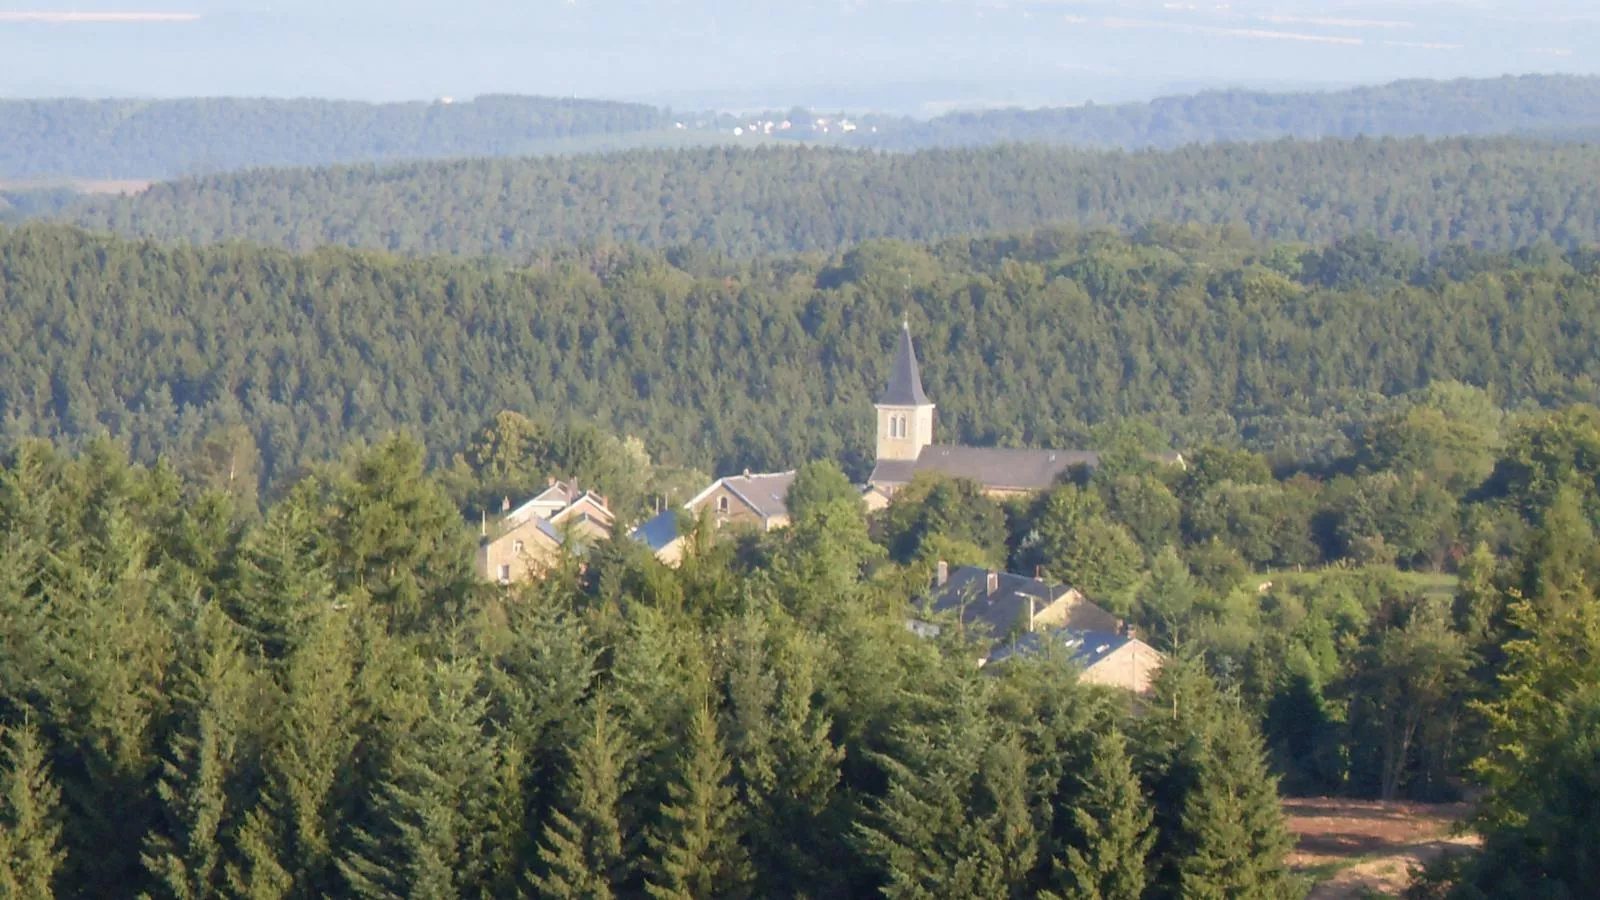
pixel 905 382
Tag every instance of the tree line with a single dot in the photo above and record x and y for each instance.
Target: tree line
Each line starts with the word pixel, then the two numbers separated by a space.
pixel 1499 193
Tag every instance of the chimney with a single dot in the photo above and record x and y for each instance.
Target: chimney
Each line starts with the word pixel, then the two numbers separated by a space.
pixel 1033 611
pixel 550 482
pixel 747 473
pixel 943 573
pixel 1038 573
pixel 994 583
pixel 483 525
pixel 505 504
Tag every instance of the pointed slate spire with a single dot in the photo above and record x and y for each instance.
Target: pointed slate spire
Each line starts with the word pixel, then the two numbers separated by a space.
pixel 905 382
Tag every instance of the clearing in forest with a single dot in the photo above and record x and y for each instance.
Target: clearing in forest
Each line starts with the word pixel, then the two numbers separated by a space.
pixel 1355 848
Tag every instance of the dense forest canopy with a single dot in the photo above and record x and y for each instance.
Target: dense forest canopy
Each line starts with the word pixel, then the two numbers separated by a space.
pixel 156 139
pixel 197 700
pixel 1527 104
pixel 167 138
pixel 1026 340
pixel 1494 193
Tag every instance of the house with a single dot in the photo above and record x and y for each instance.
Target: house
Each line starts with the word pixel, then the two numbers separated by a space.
pixel 532 537
pixel 906 448
pixel 754 500
pixel 1107 658
pixel 1003 606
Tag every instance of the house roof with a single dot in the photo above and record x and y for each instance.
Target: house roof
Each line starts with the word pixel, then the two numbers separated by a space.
pixel 996 468
pixel 557 495
pixel 893 471
pixel 1003 468
pixel 590 505
pixel 767 493
pixel 905 381
pixel 966 594
pixel 659 531
pixel 1085 648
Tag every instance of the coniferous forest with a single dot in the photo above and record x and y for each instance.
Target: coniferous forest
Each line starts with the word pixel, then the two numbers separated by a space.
pixel 254 424
pixel 1496 193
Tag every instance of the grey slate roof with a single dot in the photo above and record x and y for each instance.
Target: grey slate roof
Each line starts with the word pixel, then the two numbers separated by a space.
pixel 768 493
pixel 892 471
pixel 966 594
pixel 996 468
pixel 1086 648
pixel 905 382
pixel 659 531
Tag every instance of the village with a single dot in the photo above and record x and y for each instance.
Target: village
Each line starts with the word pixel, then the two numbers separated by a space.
pixel 1009 614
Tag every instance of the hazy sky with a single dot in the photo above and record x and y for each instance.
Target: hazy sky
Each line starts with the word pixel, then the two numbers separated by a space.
pixel 902 53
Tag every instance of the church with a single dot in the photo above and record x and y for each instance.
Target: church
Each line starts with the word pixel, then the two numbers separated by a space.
pixel 906 446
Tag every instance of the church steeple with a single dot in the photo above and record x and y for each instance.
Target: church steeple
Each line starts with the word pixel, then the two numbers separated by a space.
pixel 905 381
pixel 905 414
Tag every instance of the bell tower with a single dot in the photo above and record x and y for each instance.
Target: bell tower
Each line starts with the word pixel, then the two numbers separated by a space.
pixel 905 414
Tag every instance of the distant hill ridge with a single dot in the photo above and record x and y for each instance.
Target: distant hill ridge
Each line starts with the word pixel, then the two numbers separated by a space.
pixel 1527 104
pixel 155 139
pixel 168 138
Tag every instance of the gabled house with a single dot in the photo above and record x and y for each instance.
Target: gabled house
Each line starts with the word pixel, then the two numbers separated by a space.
pixel 1107 658
pixel 529 539
pixel 1001 606
pixel 757 500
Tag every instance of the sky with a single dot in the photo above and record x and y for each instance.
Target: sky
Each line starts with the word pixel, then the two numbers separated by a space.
pixel 919 56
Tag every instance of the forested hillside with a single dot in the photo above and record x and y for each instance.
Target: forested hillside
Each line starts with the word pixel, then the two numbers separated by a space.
pixel 1025 340
pixel 1497 194
pixel 168 138
pixel 155 139
pixel 1528 104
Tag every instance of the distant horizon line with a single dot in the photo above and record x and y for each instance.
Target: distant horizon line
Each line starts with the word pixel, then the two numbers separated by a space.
pixel 944 107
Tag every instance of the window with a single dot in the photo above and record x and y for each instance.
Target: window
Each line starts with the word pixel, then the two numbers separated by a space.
pixel 722 504
pixel 904 431
pixel 516 547
pixel 505 574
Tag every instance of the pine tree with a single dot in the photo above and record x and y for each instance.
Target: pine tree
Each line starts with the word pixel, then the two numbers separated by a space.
pixel 1232 822
pixel 1105 858
pixel 1220 830
pixel 30 827
pixel 695 844
pixel 198 783
pixel 956 819
pixel 584 841
pixel 785 763
pixel 434 811
pixel 288 840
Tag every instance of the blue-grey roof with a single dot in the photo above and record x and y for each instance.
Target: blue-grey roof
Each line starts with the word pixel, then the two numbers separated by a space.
pixel 905 382
pixel 659 531
pixel 1084 647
